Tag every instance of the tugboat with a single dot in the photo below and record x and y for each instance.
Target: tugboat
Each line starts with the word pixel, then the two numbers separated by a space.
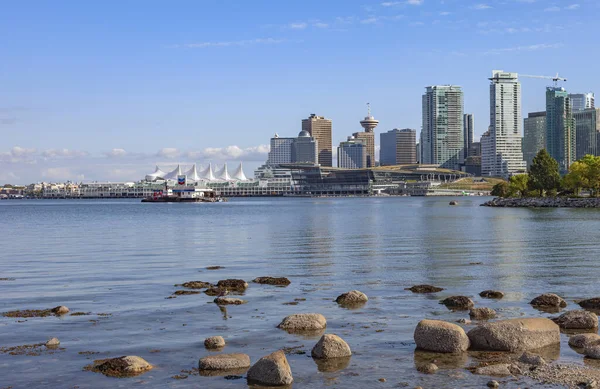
pixel 184 194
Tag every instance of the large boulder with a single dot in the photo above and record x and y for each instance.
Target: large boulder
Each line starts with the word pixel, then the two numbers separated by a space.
pixel 277 281
pixel 353 297
pixel 592 351
pixel 224 362
pixel 424 289
pixel 578 319
pixel 303 322
pixel 491 294
pixel 584 340
pixel 515 335
pixel 440 336
pixel 593 303
pixel 482 313
pixel 548 300
pixel 458 302
pixel 214 343
pixel 331 346
pixel 233 284
pixel 272 370
pixel 127 366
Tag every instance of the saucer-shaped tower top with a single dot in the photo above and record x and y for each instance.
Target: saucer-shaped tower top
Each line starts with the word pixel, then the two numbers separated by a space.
pixel 369 123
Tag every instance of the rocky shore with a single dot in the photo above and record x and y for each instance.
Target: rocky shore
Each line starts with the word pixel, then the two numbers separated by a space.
pixel 544 202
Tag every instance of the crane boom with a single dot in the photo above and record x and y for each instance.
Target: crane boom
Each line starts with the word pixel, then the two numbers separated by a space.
pixel 556 78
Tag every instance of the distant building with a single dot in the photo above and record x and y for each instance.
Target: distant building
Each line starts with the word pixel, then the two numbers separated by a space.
pixel 368 135
pixel 468 125
pixel 473 165
pixel 475 149
pixel 418 152
pixel 320 129
pixel 488 157
pixel 534 138
pixel 281 150
pixel 560 127
pixel 587 125
pixel 505 127
pixel 442 140
pixel 398 147
pixel 581 101
pixel 305 149
pixel 352 154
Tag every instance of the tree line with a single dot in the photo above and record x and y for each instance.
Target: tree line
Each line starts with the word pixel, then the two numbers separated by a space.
pixel 544 179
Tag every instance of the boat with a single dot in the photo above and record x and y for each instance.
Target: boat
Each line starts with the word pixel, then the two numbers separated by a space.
pixel 184 194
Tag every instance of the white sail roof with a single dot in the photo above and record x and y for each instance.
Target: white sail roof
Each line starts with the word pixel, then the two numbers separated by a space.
pixel 208 173
pixel 192 174
pixel 172 175
pixel 158 174
pixel 223 174
pixel 239 174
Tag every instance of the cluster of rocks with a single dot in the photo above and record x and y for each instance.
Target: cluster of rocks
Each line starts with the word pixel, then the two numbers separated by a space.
pixel 544 202
pixel 224 287
pixel 26 313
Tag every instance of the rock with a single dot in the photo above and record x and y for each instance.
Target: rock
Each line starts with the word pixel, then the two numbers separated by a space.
pixel 593 384
pixel 213 291
pixel 233 284
pixel 578 319
pixel 214 342
pixel 272 370
pixel 60 310
pixel 593 303
pixel 229 301
pixel 382 380
pixel 458 302
pixel 548 300
pixel 515 335
pixel 127 366
pixel 532 359
pixel 352 297
pixel 482 313
pixel 196 285
pixel 224 362
pixel 303 322
pixel 584 340
pixel 428 368
pixel 464 321
pixel 491 294
pixel 424 289
pixel 493 384
pixel 185 292
pixel 333 364
pixel 499 370
pixel 331 346
pixel 278 281
pixel 453 202
pixel 54 342
pixel 440 336
pixel 592 351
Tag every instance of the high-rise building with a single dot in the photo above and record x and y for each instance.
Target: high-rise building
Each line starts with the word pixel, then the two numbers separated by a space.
pixel 534 137
pixel 398 147
pixel 475 149
pixel 587 125
pixel 352 154
pixel 305 149
pixel 320 129
pixel 505 126
pixel 488 157
pixel 560 127
pixel 581 101
pixel 468 125
pixel 368 135
pixel 418 152
pixel 281 150
pixel 442 140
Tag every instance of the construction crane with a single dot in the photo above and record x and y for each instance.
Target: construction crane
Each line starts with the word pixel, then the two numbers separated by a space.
pixel 556 78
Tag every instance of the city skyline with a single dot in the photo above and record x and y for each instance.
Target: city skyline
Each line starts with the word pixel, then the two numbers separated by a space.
pixel 105 97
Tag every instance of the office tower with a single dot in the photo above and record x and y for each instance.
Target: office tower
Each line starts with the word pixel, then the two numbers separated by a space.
pixel 398 147
pixel 534 137
pixel 560 127
pixel 281 150
pixel 468 125
pixel 442 140
pixel 475 149
pixel 368 135
pixel 305 149
pixel 488 157
pixel 352 154
pixel 418 151
pixel 581 101
pixel 587 125
pixel 320 129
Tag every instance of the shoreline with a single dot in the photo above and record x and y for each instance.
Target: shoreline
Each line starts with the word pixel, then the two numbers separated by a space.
pixel 543 202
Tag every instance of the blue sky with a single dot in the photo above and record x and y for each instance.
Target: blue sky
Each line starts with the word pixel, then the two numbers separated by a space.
pixel 105 90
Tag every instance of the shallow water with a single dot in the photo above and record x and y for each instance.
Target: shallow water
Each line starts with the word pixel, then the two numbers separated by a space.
pixel 123 258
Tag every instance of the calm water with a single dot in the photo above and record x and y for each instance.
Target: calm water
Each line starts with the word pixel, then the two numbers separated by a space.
pixel 123 257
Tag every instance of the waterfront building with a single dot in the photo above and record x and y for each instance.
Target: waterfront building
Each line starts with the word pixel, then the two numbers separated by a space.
pixel 560 127
pixel 368 135
pixel 320 129
pixel 587 125
pixel 581 101
pixel 305 149
pixel 534 137
pixel 442 137
pixel 468 128
pixel 281 150
pixel 398 147
pixel 352 154
pixel 506 140
pixel 487 154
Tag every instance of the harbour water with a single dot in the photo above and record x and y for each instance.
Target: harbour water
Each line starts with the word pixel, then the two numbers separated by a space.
pixel 119 261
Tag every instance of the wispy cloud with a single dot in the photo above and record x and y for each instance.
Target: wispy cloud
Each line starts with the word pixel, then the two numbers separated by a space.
pixel 572 7
pixel 116 153
pixel 481 6
pixel 370 20
pixel 538 47
pixel 298 26
pixel 246 42
pixel 552 9
pixel 405 2
pixel 63 153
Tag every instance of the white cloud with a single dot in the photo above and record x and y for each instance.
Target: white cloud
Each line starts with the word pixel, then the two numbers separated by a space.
pixel 64 153
pixel 256 153
pixel 168 152
pixel 62 174
pixel 481 6
pixel 248 42
pixel 298 26
pixel 18 155
pixel 572 7
pixel 406 2
pixel 116 153
pixel 537 47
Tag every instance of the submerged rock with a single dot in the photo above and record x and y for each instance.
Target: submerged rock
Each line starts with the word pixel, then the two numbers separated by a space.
pixel 578 319
pixel 593 303
pixel 273 370
pixel 548 300
pixel 185 292
pixel 427 368
pixel 499 370
pixel 491 294
pixel 331 346
pixel 584 340
pixel 224 362
pixel 424 289
pixel 195 284
pixel 515 335
pixel 127 366
pixel 453 202
pixel 493 384
pixel 482 313
pixel 277 281
pixel 303 322
pixel 352 298
pixel 214 343
pixel 229 301
pixel 532 359
pixel 458 302
pixel 214 291
pixel 464 321
pixel 233 284
pixel 440 336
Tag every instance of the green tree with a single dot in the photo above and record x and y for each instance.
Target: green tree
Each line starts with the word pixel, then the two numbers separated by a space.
pixel 518 185
pixel 584 174
pixel 501 189
pixel 543 173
